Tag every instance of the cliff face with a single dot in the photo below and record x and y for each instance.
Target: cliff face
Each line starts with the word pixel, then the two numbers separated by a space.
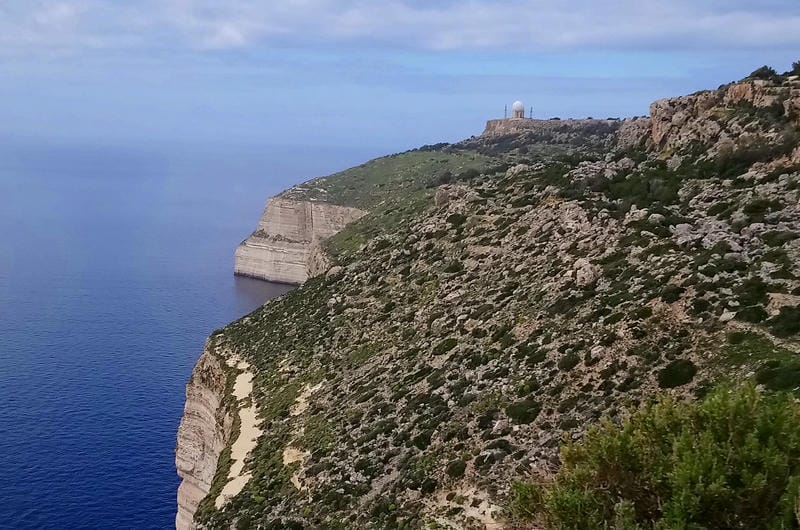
pixel 203 434
pixel 285 246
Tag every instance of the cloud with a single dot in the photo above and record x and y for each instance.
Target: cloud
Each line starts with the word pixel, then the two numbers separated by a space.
pixel 471 25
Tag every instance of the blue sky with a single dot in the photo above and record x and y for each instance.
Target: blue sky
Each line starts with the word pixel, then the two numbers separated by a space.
pixel 379 74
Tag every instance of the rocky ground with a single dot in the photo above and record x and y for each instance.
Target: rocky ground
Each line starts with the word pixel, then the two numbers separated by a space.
pixel 473 323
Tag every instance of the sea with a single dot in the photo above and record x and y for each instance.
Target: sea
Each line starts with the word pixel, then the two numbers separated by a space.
pixel 116 263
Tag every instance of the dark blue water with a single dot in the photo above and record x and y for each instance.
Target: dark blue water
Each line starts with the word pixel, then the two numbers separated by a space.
pixel 115 264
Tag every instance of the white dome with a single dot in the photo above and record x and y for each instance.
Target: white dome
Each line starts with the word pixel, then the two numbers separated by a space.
pixel 517 106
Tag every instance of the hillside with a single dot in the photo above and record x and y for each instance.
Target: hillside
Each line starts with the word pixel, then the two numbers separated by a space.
pixel 501 295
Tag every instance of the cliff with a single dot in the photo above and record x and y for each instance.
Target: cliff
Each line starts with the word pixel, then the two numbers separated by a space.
pixel 737 116
pixel 204 432
pixel 285 246
pixel 507 292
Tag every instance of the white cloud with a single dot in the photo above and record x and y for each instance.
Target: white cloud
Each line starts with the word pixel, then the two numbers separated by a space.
pixel 519 25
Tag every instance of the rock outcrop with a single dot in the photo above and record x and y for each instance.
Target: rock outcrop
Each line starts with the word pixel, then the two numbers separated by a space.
pixel 551 128
pixel 720 119
pixel 285 247
pixel 203 434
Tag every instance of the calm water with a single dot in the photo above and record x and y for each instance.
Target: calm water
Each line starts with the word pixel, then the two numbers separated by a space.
pixel 115 264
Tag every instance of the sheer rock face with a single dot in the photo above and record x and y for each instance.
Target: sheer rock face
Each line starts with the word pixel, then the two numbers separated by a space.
pixel 285 247
pixel 203 434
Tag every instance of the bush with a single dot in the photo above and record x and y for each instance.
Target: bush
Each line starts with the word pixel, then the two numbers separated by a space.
pixel 754 314
pixel 568 362
pixel 456 219
pixel 765 72
pixel 753 291
pixel 795 69
pixel 671 293
pixel 786 323
pixel 776 375
pixel 453 266
pixel 523 411
pixel 677 373
pixel 444 346
pixel 456 468
pixel 732 461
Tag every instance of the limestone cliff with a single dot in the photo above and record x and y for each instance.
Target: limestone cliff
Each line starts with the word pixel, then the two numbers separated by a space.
pixel 285 246
pixel 203 434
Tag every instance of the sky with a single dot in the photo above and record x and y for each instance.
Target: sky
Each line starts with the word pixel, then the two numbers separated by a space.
pixel 385 75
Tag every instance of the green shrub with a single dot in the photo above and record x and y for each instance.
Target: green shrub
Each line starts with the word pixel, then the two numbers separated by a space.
pixel 444 346
pixel 765 72
pixel 671 293
pixel 777 238
pixel 753 291
pixel 718 208
pixel 456 219
pixel 777 375
pixel 736 337
pixel 523 411
pixel 786 323
pixel 754 314
pixel 732 462
pixel 568 362
pixel 456 468
pixel 759 207
pixel 700 305
pixel 677 373
pixel 454 266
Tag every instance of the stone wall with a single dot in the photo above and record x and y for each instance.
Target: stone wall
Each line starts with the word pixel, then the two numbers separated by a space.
pixel 286 245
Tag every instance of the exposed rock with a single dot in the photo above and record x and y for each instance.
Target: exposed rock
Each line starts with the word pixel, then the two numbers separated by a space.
pixel 334 273
pixel 204 432
pixel 318 261
pixel 280 250
pixel 634 133
pixel 586 274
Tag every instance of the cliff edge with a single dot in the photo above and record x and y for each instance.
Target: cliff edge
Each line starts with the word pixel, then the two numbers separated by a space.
pixel 203 434
pixel 285 247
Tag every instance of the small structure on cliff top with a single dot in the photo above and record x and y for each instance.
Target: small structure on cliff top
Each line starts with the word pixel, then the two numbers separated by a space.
pixel 518 110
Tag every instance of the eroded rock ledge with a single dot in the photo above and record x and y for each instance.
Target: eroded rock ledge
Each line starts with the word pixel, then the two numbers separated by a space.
pixel 203 434
pixel 285 247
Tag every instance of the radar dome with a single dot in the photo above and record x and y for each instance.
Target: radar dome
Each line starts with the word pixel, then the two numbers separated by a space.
pixel 517 110
pixel 517 106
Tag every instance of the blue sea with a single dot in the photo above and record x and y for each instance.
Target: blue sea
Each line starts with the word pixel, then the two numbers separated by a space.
pixel 115 265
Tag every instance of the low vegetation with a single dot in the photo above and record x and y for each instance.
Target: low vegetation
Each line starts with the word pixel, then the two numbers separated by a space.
pixel 731 461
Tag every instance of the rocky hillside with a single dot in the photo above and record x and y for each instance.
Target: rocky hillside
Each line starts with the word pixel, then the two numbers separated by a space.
pixel 468 327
